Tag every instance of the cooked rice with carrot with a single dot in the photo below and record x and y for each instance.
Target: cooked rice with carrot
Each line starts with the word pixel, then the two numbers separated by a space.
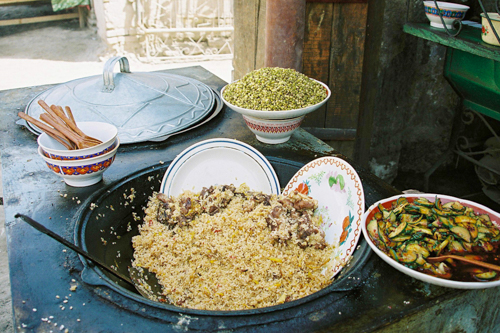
pixel 229 248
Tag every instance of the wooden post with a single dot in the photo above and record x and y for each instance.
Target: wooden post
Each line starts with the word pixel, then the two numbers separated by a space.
pixel 284 44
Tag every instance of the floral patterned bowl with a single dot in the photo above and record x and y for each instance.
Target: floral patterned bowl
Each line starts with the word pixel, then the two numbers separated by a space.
pixel 105 132
pixel 341 204
pixel 487 34
pixel 81 173
pixel 273 131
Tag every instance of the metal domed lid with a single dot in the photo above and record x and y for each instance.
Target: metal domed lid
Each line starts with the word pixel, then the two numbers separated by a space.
pixel 143 106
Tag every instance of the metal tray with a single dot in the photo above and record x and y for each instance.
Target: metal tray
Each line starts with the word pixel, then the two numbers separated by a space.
pixel 143 106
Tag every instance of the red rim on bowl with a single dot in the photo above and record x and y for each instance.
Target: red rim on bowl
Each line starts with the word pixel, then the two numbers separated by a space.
pixel 386 203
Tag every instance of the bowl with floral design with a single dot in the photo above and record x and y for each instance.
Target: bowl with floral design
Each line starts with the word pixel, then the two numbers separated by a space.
pixel 81 173
pixel 427 225
pixel 487 33
pixel 335 184
pixel 273 101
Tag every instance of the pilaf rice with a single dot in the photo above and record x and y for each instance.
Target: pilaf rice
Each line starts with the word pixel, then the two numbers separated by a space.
pixel 229 248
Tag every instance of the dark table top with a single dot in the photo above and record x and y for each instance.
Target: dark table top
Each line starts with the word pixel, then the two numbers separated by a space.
pixel 43 271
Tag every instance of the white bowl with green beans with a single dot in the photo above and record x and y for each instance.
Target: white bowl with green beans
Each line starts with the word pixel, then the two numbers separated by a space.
pixel 408 230
pixel 273 93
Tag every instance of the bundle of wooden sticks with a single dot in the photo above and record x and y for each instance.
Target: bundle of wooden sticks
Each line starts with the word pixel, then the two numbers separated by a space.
pixel 61 126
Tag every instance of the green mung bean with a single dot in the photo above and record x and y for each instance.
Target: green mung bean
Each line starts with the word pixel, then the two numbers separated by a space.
pixel 274 89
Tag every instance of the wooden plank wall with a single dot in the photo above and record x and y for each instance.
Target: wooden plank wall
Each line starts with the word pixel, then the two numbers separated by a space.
pixel 333 53
pixel 249 36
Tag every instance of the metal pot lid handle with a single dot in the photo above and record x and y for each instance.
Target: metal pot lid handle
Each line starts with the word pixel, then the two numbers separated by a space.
pixel 108 75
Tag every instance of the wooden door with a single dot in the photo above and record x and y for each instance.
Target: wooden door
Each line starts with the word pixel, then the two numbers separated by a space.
pixel 333 53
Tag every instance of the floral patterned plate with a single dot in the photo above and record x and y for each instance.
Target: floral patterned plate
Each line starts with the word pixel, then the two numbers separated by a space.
pixel 341 204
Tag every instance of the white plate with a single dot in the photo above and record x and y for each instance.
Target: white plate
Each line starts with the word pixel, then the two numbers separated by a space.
pixel 494 216
pixel 219 162
pixel 341 204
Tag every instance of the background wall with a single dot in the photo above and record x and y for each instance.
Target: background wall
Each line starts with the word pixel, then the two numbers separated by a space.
pixel 406 107
pixel 391 108
pixel 167 30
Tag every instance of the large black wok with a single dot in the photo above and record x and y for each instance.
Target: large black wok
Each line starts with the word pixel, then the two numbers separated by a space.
pixel 110 218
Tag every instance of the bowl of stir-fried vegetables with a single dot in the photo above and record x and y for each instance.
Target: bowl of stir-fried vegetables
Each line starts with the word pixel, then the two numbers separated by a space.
pixel 407 229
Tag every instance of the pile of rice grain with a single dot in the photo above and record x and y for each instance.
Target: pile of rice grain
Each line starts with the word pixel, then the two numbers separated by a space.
pixel 228 259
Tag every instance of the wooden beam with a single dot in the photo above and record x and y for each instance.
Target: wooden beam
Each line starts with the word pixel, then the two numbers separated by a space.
pixel 284 44
pixel 316 55
pixel 47 18
pixel 249 36
pixel 346 69
pixel 332 134
pixel 370 84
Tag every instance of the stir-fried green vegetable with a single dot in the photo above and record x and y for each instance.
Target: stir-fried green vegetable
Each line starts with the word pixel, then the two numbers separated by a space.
pixel 409 232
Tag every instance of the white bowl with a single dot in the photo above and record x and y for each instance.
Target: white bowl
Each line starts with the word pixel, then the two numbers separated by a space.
pixel 288 114
pixel 81 173
pixel 105 132
pixel 450 12
pixel 273 131
pixel 494 216
pixel 487 33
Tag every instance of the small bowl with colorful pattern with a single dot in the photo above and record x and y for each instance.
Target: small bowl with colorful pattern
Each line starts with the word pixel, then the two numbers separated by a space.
pixel 449 11
pixel 81 173
pixel 273 131
pixel 105 132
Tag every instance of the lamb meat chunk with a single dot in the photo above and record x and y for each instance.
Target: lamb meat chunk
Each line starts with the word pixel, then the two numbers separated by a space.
pixel 163 197
pixel 276 212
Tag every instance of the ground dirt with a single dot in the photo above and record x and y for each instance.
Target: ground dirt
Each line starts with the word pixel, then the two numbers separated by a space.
pixel 55 52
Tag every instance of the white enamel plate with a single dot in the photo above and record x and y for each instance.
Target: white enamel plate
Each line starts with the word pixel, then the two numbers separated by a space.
pixel 341 204
pixel 219 162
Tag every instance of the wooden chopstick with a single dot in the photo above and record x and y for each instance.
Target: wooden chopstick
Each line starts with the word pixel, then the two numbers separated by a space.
pixel 61 127
pixel 47 129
